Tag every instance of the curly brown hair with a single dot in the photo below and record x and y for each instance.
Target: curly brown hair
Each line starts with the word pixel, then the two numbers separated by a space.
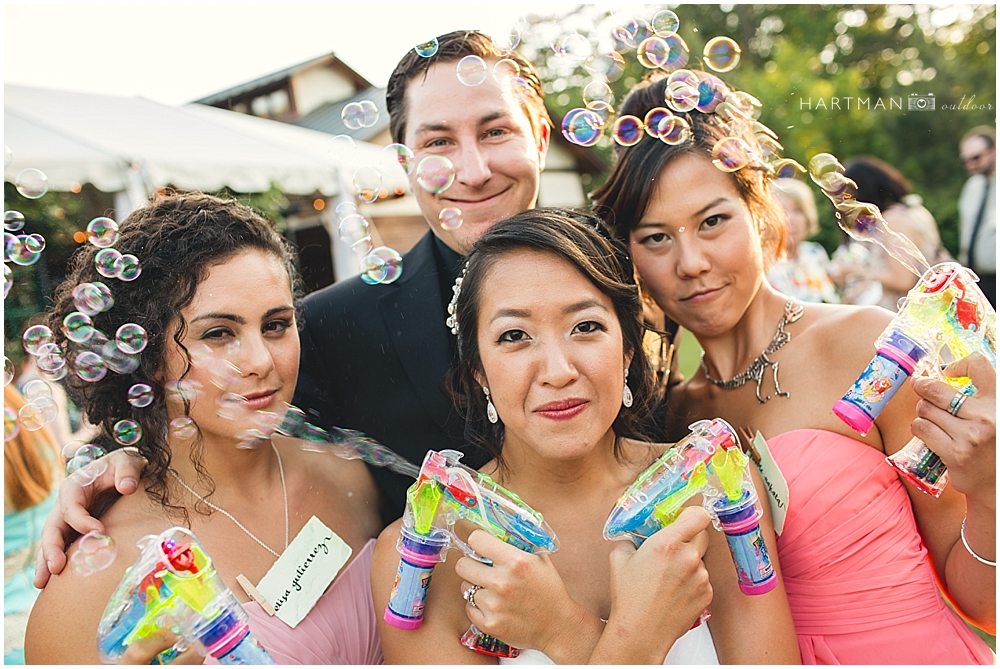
pixel 582 240
pixel 177 238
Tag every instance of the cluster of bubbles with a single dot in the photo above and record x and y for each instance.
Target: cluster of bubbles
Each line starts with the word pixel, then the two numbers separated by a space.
pixel 377 265
pixel 658 46
pixel 84 462
pixel 95 552
pixel 20 249
pixel 862 220
pixel 357 115
pixel 39 409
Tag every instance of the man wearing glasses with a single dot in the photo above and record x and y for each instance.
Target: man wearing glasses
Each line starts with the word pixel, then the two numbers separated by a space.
pixel 977 208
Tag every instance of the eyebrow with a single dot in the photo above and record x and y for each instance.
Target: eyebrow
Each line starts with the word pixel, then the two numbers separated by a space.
pixel 239 319
pixel 439 126
pixel 717 201
pixel 568 309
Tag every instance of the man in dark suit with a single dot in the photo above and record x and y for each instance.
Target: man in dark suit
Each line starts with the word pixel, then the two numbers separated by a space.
pixel 375 357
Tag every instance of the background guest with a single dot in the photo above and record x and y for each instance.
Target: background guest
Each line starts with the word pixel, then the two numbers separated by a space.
pixel 977 208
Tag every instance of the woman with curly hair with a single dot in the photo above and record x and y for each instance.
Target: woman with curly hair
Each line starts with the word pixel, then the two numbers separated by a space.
pixel 216 299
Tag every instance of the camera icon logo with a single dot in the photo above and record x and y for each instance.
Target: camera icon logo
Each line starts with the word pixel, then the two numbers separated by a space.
pixel 920 102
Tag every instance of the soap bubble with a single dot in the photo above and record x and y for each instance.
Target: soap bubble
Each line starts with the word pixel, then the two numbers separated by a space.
pixel 90 366
pixel 367 181
pixel 127 432
pixel 23 251
pixel 597 95
pixel 582 126
pixel 102 232
pixel 369 113
pixel 674 130
pixel 574 46
pixel 722 54
pixel 94 553
pixel 50 359
pixel 183 428
pixel 140 395
pixel 92 298
pixel 505 69
pixel 711 93
pixel 118 360
pixel 471 70
pixel 610 65
pixel 32 183
pixel 509 41
pixel 85 471
pixel 130 270
pixel 677 53
pixel 34 243
pixel 131 338
pixel 11 428
pixel 681 96
pixel 232 406
pixel 35 336
pixel 427 49
pixel 653 52
pixel 355 230
pixel 8 371
pixel 88 451
pixel 345 209
pixel 665 23
pixel 382 265
pixel 654 117
pixel 108 263
pixel 38 413
pixel 13 220
pixel 353 115
pixel 450 218
pixel 8 280
pixel 343 147
pixel 627 130
pixel 182 390
pixel 77 327
pixel 730 154
pixel 36 388
pixel 435 174
pixel 633 33
pixel 396 161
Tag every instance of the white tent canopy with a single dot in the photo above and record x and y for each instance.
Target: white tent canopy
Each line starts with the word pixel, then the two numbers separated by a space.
pixel 108 141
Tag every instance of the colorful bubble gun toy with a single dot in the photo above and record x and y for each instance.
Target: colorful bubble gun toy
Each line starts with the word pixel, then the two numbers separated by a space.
pixel 173 584
pixel 944 317
pixel 447 491
pixel 708 461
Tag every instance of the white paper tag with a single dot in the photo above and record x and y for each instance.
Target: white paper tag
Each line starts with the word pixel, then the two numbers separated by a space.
pixel 774 480
pixel 304 571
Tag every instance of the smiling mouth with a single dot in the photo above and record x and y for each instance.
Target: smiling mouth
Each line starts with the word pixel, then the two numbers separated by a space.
pixel 562 410
pixel 707 292
pixel 473 203
pixel 260 400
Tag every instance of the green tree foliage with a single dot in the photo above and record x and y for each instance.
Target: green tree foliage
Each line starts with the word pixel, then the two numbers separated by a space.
pixel 833 78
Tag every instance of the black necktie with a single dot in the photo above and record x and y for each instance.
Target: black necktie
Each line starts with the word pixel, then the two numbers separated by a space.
pixel 979 222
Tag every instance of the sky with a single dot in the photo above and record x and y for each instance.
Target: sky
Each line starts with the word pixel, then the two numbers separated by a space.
pixel 176 53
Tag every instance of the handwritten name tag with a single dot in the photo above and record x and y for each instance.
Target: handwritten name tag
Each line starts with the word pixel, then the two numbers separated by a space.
pixel 304 571
pixel 777 487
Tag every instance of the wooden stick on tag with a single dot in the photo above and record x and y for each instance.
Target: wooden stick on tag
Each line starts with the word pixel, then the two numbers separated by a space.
pixel 254 594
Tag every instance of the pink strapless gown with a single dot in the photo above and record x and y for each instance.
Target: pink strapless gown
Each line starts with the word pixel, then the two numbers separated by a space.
pixel 859 583
pixel 339 630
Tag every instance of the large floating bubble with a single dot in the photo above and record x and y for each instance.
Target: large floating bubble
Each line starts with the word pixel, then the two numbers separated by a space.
pixel 382 265
pixel 94 553
pixel 506 69
pixel 78 327
pixel 183 428
pixel 627 131
pixel 36 388
pixel 343 147
pixel 722 54
pixel 730 154
pixel 353 115
pixel 610 65
pixel 90 366
pixel 435 174
pixel 35 337
pixel 130 269
pixel 345 209
pixel 127 432
pixel 118 360
pixel 91 298
pixel 598 95
pixel 102 232
pixel 674 130
pixel 50 359
pixel 369 113
pixel 367 181
pixel 677 53
pixel 396 161
pixel 108 263
pixel 356 231
pixel 653 120
pixel 711 92
pixel 182 390
pixel 140 395
pixel 131 338
pixel 13 220
pixel 471 70
pixel 38 413
pixel 665 23
pixel 450 218
pixel 32 183
pixel 582 126
pixel 23 251
pixel 653 52
pixel 427 49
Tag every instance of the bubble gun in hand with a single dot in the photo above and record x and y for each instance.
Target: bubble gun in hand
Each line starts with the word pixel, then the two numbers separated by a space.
pixel 447 491
pixel 708 461
pixel 944 317
pixel 174 585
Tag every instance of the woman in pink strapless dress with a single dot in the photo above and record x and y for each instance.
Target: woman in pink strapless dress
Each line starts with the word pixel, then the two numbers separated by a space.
pixel 862 555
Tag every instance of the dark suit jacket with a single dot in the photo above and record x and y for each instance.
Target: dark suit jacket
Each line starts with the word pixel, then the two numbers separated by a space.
pixel 374 359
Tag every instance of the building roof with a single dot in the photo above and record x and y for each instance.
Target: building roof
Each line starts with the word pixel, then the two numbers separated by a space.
pixel 327 117
pixel 270 80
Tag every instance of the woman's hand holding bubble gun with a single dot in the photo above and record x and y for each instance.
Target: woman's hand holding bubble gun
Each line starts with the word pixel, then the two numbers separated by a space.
pixel 708 462
pixel 445 492
pixel 173 586
pixel 944 317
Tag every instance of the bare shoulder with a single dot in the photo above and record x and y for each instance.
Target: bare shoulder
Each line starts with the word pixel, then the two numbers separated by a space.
pixel 64 620
pixel 844 329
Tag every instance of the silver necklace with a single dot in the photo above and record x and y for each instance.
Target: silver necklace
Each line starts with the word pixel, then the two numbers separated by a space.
pixel 755 371
pixel 284 492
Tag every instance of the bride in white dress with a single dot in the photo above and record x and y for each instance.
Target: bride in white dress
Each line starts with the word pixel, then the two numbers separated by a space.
pixel 549 322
